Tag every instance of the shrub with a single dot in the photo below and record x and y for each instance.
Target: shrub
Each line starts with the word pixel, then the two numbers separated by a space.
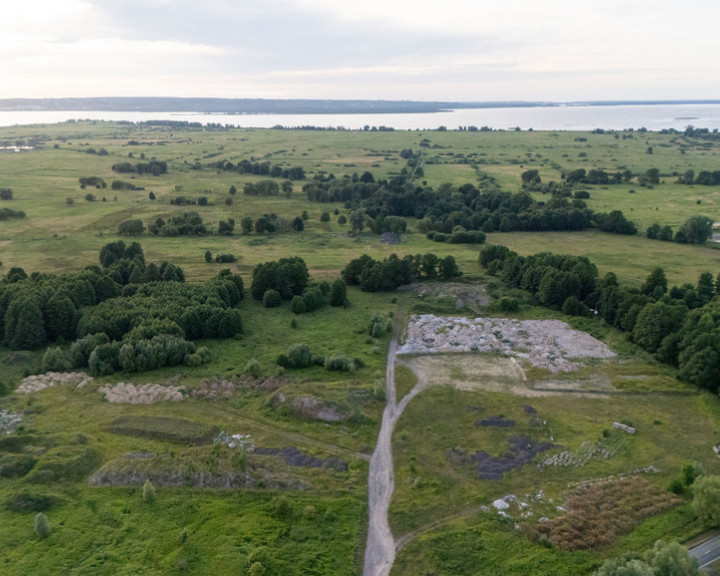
pixel 325 217
pixel 379 390
pixel 299 356
pixel 338 363
pixel 148 491
pixel 252 368
pixel 297 305
pixel 42 526
pixel 271 299
pixel 378 325
pixel 225 258
pixel 56 359
pixel 509 304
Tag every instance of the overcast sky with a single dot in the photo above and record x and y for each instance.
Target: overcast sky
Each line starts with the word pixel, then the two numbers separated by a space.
pixel 467 50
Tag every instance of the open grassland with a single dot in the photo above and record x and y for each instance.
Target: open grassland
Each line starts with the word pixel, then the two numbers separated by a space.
pixel 56 236
pixel 296 503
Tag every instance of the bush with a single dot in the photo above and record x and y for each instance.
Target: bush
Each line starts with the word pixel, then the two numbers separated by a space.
pixel 56 359
pixel 509 304
pixel 42 526
pixel 252 368
pixel 225 258
pixel 299 356
pixel 338 363
pixel 297 305
pixel 379 390
pixel 271 299
pixel 148 492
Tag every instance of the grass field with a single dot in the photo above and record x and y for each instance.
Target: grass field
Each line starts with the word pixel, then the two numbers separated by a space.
pixel 308 515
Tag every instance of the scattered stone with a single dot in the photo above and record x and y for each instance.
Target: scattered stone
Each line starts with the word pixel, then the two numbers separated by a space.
pixel 39 382
pixel 9 421
pixel 240 442
pixel 624 427
pixel 547 344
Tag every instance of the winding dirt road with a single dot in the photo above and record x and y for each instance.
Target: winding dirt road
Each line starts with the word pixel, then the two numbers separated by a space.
pixel 380 547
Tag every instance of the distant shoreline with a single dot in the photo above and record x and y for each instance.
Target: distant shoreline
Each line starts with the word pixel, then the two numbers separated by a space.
pixel 293 106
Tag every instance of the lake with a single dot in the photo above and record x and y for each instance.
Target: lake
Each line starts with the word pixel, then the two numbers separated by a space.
pixel 575 117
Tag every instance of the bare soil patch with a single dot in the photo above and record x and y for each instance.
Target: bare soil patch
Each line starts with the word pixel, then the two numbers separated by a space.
pixel 469 296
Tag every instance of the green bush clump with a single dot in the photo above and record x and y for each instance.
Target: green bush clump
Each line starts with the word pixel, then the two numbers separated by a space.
pixel 271 299
pixel 339 363
pixel 298 356
pixel 42 526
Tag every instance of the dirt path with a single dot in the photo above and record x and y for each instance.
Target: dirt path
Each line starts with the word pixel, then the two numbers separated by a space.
pixel 380 548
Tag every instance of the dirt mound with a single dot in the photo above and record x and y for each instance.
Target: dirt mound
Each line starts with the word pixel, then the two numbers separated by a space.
pixel 310 407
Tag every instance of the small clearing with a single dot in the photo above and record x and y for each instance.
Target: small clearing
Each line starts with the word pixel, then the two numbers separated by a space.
pixel 469 296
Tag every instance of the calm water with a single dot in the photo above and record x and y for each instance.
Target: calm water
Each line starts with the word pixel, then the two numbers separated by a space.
pixel 555 118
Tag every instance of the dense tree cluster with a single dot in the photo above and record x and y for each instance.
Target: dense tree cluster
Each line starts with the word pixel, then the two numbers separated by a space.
pixel 7 213
pixel 186 224
pixel 703 178
pixel 154 167
pixel 124 315
pixel 665 559
pixel 120 185
pixel 287 276
pixel 447 207
pixel 94 181
pixel 262 169
pixel 386 275
pixel 680 326
pixel 261 188
pixel 695 230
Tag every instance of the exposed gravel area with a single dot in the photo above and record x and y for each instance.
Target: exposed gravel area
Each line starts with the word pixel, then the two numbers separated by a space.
pixel 547 344
pixel 128 393
pixel 39 382
pixel 9 421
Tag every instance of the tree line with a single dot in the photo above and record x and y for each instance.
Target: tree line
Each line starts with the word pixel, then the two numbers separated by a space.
pixel 680 326
pixel 386 275
pixel 486 209
pixel 261 169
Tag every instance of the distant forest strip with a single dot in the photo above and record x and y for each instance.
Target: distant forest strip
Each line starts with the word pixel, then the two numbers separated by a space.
pixel 289 106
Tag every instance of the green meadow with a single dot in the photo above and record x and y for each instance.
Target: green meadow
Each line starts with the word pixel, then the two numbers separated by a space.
pixel 296 502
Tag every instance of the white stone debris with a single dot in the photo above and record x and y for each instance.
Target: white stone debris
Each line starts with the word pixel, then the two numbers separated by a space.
pixel 39 382
pixel 128 393
pixel 548 344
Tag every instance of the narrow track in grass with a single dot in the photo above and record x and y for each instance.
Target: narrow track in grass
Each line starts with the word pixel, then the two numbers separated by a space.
pixel 380 547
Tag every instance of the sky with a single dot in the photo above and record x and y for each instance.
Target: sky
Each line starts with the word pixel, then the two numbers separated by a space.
pixel 449 50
